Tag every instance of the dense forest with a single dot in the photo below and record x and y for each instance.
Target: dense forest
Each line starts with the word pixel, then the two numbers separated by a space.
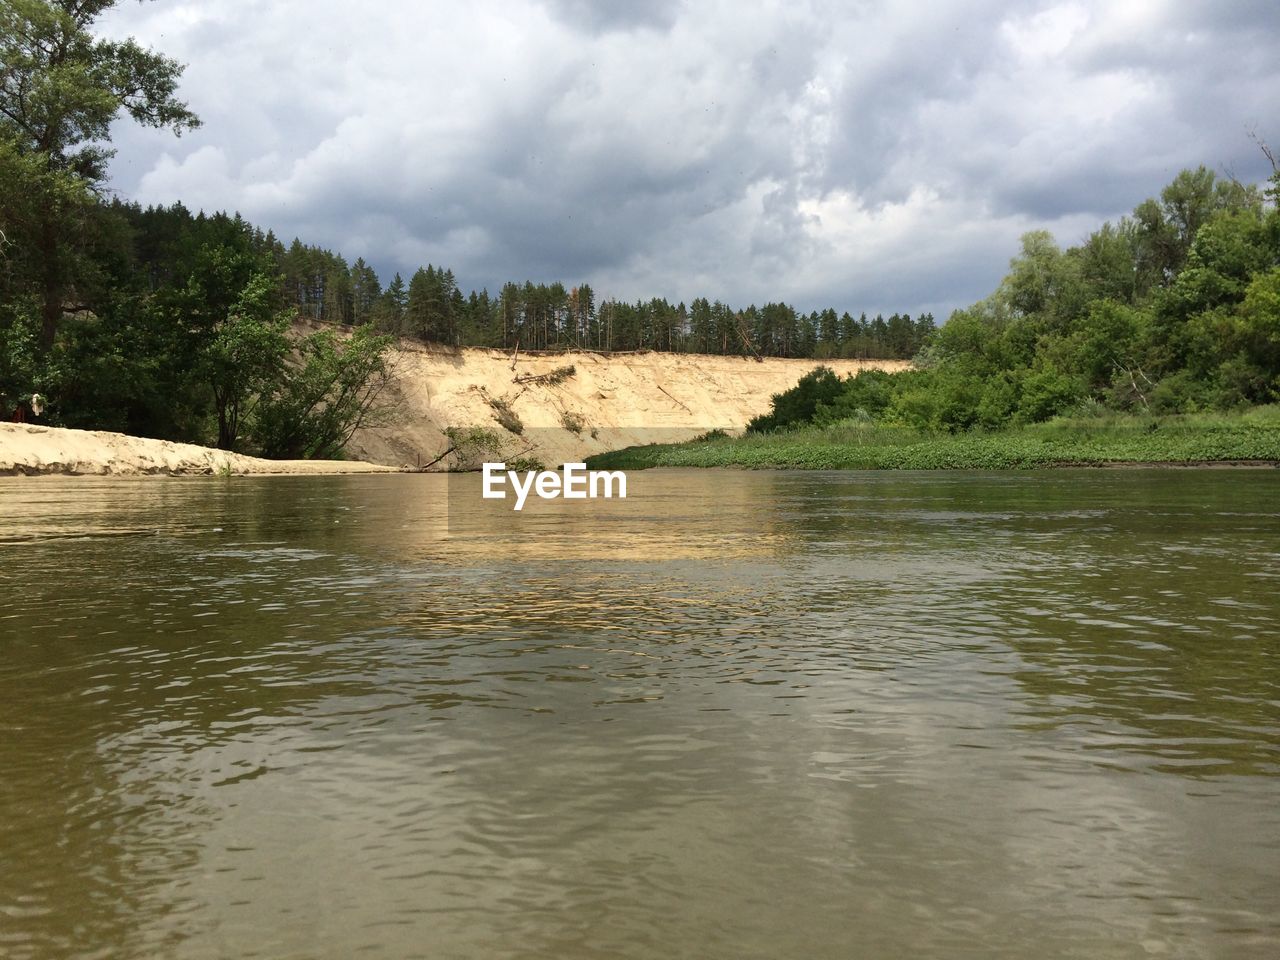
pixel 1173 310
pixel 319 285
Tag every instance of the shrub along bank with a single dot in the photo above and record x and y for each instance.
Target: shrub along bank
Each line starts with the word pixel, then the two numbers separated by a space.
pixel 1156 340
pixel 1252 437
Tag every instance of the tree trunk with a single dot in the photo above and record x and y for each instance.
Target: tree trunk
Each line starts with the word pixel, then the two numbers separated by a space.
pixel 228 425
pixel 225 435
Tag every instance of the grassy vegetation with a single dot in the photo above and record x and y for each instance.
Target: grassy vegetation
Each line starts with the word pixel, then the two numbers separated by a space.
pixel 505 415
pixel 573 422
pixel 1065 441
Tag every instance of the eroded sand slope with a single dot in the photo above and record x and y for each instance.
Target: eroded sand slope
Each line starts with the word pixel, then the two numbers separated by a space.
pixel 617 400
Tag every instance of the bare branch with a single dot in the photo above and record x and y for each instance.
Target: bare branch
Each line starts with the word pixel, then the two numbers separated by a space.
pixel 1266 150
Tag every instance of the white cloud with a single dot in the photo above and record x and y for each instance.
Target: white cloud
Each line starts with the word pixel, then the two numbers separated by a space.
pixel 1045 34
pixel 873 156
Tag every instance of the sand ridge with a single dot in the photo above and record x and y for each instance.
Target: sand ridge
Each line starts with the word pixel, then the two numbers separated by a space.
pixel 31 449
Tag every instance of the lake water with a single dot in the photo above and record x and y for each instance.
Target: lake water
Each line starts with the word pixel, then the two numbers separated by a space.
pixel 738 715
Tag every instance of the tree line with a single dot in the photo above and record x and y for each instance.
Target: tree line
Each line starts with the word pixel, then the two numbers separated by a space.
pixel 1173 310
pixel 321 285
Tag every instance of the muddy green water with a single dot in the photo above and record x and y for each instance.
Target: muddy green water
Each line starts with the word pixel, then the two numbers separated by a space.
pixel 738 715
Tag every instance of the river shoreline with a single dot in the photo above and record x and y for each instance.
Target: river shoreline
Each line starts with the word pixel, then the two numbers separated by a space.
pixel 35 450
pixel 1246 440
pixel 1062 465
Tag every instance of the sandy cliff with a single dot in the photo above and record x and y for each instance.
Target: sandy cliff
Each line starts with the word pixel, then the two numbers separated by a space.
pixel 608 402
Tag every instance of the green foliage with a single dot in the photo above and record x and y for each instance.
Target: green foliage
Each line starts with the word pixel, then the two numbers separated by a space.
pixel 1044 283
pixel 430 311
pixel 943 400
pixel 240 341
pixel 800 403
pixel 1256 329
pixel 60 90
pixel 1046 392
pixel 1174 311
pixel 1091 441
pixel 62 87
pixel 21 370
pixel 332 387
pixel 505 415
pixel 1107 338
pixel 560 374
pixel 468 445
pixel 160 354
pixel 525 464
pixel 188 341
pixel 868 393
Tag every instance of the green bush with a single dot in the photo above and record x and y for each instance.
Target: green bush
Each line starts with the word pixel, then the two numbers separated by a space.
pixel 333 387
pixel 870 391
pixel 1181 392
pixel 526 464
pixel 799 404
pixel 1045 393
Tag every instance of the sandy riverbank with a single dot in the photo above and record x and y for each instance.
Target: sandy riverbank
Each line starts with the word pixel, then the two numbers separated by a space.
pixel 603 402
pixel 29 450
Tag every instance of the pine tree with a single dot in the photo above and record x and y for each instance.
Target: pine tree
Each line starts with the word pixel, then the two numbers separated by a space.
pixel 365 292
pixel 395 303
pixel 417 314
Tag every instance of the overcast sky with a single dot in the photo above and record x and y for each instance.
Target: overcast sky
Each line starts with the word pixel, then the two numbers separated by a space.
pixel 866 155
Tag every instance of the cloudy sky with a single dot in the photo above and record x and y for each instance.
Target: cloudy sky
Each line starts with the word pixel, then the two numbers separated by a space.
pixel 861 154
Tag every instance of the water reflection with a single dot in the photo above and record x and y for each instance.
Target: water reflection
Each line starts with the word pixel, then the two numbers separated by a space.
pixel 738 714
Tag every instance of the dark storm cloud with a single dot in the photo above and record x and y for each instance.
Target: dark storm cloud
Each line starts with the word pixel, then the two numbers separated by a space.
pixel 598 15
pixel 887 92
pixel 874 156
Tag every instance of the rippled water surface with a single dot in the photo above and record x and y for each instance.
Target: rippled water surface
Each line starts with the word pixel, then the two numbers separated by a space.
pixel 736 715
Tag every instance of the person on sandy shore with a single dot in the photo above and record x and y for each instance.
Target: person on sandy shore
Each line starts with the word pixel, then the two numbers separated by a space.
pixel 36 404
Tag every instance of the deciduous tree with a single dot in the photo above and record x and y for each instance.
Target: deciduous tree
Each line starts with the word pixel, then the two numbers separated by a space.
pixel 60 89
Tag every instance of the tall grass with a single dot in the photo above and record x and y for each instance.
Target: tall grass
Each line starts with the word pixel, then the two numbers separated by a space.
pixel 1067 441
